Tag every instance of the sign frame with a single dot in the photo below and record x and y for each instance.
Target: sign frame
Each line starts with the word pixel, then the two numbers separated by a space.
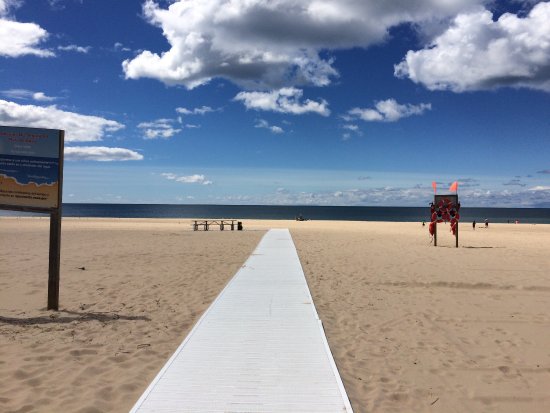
pixel 55 221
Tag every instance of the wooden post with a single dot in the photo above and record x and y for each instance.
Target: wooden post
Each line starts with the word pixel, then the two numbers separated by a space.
pixel 55 258
pixel 435 233
pixel 456 234
pixel 55 236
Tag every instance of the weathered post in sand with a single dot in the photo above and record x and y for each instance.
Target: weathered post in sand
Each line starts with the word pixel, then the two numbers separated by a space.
pixel 31 181
pixel 435 234
pixel 456 235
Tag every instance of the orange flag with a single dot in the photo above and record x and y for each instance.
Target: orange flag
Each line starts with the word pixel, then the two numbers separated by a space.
pixel 434 186
pixel 454 186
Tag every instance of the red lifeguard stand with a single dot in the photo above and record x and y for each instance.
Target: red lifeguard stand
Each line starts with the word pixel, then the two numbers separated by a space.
pixel 445 208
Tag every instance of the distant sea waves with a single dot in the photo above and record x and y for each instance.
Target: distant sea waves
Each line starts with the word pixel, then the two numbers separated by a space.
pixel 341 213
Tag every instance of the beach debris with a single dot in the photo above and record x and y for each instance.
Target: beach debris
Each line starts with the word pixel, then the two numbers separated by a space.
pixel 434 402
pixel 122 350
pixel 82 268
pixel 144 345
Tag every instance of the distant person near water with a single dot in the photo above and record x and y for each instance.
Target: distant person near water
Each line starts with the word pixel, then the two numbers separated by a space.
pixel 474 225
pixel 486 223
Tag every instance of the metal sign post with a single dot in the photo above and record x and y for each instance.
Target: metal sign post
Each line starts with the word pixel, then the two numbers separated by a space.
pixel 31 179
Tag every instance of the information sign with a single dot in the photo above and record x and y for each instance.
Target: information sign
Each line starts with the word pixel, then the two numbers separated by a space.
pixel 30 167
pixel 31 178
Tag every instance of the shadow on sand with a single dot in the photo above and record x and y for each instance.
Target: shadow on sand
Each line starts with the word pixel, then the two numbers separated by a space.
pixel 465 246
pixel 71 316
pixel 470 246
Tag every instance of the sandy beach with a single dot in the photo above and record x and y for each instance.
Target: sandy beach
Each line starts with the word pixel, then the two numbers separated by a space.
pixel 413 328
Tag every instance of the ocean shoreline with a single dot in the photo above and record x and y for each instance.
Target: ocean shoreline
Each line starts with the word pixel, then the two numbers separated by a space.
pixel 287 212
pixel 264 224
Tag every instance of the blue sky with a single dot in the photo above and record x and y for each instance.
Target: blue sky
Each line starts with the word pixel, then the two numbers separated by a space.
pixel 321 102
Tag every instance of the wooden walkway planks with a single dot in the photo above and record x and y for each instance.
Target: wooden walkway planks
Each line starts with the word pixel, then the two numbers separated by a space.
pixel 260 347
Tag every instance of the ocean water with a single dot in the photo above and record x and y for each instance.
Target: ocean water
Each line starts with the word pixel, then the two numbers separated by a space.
pixel 341 213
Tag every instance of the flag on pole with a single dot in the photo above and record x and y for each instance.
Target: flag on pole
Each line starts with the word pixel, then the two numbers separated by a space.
pixel 434 186
pixel 454 187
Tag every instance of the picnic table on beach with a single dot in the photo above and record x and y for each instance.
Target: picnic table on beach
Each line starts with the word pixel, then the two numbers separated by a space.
pixel 260 347
pixel 221 223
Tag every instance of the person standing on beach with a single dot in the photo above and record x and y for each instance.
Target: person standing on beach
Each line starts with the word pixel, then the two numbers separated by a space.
pixel 486 223
pixel 474 225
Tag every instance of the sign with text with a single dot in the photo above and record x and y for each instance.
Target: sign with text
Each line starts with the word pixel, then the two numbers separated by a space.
pixel 30 167
pixel 441 200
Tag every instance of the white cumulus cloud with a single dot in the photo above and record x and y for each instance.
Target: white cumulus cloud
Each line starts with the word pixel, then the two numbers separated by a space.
pixel 263 124
pixel 196 111
pixel 538 196
pixel 25 94
pixel 78 128
pixel 19 39
pixel 160 128
pixel 478 53
pixel 187 179
pixel 284 100
pixel 260 44
pixel 352 128
pixel 74 48
pixel 100 153
pixel 120 47
pixel 387 111
pixel 42 97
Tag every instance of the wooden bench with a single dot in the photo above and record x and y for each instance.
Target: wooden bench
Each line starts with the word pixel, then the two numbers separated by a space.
pixel 221 223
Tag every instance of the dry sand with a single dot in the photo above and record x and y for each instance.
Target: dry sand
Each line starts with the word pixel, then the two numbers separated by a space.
pixel 412 327
pixel 144 285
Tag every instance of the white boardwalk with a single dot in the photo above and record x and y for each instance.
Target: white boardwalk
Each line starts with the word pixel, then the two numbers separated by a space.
pixel 260 347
